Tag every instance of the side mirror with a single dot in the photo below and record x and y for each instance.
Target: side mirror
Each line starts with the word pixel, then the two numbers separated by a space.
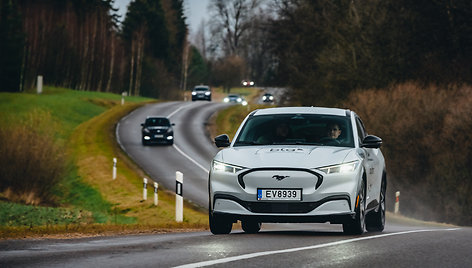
pixel 173 124
pixel 142 124
pixel 371 141
pixel 222 141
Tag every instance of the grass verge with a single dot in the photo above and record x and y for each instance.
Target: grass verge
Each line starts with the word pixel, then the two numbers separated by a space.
pixel 89 201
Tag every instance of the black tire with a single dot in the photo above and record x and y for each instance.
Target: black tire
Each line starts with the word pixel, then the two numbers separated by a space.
pixel 219 225
pixel 251 226
pixel 357 225
pixel 375 220
pixel 143 142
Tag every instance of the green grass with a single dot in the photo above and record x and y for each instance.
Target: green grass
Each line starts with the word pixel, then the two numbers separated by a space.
pixel 12 214
pixel 84 125
pixel 69 107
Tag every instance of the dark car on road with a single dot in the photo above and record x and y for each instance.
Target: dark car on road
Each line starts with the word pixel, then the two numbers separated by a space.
pixel 235 98
pixel 201 93
pixel 268 98
pixel 157 130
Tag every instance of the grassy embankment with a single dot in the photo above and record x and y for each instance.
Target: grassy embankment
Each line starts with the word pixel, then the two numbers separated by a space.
pixel 85 199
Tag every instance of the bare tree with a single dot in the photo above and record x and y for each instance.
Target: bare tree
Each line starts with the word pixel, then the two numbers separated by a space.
pixel 231 20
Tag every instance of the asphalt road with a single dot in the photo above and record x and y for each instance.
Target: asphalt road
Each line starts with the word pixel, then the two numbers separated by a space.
pixel 322 246
pixel 277 245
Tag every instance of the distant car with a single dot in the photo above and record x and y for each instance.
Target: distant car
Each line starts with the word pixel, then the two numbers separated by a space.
pixel 235 98
pixel 157 130
pixel 298 164
pixel 201 93
pixel 248 83
pixel 268 98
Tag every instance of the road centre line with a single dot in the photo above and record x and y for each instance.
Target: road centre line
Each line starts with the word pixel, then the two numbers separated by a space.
pixel 281 251
pixel 189 158
pixel 179 150
pixel 178 109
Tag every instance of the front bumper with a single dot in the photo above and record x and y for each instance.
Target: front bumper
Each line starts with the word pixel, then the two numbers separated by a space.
pixel 201 97
pixel 326 197
pixel 158 138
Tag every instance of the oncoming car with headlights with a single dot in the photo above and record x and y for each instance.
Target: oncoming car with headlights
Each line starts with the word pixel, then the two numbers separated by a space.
pixel 298 164
pixel 157 130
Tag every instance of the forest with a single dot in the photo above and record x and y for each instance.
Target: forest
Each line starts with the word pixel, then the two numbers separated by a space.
pixel 82 45
pixel 404 66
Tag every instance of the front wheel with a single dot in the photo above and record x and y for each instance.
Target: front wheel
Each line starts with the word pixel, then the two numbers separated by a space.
pixel 356 226
pixel 219 225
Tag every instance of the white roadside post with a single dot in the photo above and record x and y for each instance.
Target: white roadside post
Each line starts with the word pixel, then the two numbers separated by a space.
pixel 156 198
pixel 39 84
pixel 114 167
pixel 123 94
pixel 397 202
pixel 179 200
pixel 145 188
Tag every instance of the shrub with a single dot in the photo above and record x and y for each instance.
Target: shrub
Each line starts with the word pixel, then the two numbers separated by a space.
pixel 32 162
pixel 427 145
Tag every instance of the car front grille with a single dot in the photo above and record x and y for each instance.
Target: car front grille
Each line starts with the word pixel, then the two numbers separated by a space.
pixel 272 207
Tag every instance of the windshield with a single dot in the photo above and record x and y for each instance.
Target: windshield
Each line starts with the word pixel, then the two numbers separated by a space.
pixel 157 122
pixel 303 129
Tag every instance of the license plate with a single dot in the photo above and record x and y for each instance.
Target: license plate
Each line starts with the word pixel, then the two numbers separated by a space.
pixel 158 136
pixel 279 194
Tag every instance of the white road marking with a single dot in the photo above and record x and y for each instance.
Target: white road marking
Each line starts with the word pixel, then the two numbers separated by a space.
pixel 265 253
pixel 178 109
pixel 179 150
pixel 189 158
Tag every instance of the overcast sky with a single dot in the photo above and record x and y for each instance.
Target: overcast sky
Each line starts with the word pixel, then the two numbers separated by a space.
pixel 195 11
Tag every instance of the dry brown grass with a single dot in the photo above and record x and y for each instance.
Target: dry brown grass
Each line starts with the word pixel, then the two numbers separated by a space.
pixel 32 161
pixel 428 147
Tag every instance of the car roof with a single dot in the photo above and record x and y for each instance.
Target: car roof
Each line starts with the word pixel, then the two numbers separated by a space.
pixel 302 110
pixel 201 87
pixel 156 117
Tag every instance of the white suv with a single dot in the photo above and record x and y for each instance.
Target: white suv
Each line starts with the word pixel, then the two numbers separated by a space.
pixel 298 164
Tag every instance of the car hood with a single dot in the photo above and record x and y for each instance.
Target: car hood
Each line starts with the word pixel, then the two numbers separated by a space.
pixel 286 156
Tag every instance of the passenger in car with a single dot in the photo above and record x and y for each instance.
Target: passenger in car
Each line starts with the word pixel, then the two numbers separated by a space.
pixel 333 131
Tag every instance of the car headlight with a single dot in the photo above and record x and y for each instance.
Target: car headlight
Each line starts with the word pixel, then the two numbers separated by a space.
pixel 194 93
pixel 244 103
pixel 219 166
pixel 226 99
pixel 271 97
pixel 264 97
pixel 341 168
pixel 207 93
pixel 239 100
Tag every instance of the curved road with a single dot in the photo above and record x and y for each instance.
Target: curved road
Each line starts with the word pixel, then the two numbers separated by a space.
pixel 277 245
pixel 191 153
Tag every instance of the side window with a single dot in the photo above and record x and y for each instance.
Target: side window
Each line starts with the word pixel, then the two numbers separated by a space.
pixel 360 129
